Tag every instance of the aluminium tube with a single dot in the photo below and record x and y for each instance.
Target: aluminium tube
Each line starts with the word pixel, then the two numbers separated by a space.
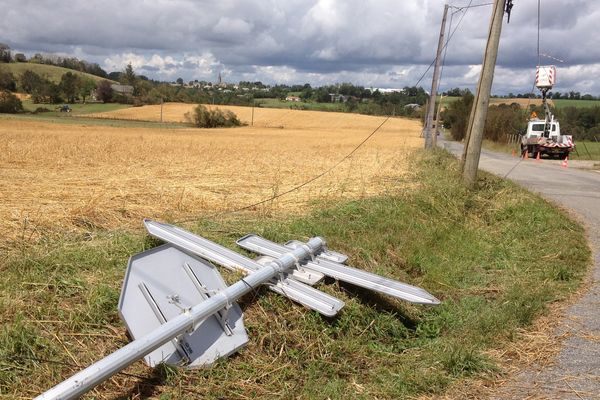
pixel 101 370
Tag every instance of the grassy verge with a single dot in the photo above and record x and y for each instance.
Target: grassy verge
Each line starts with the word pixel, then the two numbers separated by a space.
pixel 501 147
pixel 587 151
pixel 480 252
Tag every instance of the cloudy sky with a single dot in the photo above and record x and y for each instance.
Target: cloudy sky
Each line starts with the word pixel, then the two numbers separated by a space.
pixel 378 43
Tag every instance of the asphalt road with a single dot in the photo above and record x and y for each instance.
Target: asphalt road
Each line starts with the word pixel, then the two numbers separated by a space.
pixel 575 373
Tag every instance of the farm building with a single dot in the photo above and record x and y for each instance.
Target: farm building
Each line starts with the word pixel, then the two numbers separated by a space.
pixel 122 89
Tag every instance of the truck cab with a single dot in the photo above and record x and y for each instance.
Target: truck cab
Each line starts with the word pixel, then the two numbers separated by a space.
pixel 535 129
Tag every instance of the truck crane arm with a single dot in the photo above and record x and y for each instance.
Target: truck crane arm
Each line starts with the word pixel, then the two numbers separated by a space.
pixel 545 77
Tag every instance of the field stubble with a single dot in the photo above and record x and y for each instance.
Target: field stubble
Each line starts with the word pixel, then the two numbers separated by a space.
pixel 74 178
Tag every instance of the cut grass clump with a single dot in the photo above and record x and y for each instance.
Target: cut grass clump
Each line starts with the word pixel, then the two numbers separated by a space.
pixel 495 256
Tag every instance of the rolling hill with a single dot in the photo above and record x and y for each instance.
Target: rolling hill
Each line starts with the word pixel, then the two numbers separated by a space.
pixel 53 73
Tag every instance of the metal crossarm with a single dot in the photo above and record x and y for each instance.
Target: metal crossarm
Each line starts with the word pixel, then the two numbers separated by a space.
pixel 179 311
pixel 344 273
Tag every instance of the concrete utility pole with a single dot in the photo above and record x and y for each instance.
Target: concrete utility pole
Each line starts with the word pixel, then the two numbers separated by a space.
pixel 437 122
pixel 430 135
pixel 474 135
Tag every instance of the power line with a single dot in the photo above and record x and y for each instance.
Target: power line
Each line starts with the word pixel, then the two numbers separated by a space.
pixel 316 177
pixel 538 31
pixel 458 9
pixel 538 53
pixel 444 57
pixel 533 86
pixel 297 187
pixel 472 6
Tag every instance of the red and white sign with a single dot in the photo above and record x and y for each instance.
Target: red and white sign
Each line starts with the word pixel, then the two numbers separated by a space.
pixel 545 76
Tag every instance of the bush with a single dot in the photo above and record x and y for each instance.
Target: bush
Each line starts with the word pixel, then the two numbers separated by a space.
pixel 9 103
pixel 456 116
pixel 7 81
pixel 502 120
pixel 202 117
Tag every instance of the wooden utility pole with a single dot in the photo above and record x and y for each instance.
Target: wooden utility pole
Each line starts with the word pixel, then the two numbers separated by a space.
pixel 430 138
pixel 474 135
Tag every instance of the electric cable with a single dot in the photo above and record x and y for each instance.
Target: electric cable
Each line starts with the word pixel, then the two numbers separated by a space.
pixel 449 38
pixel 316 177
pixel 297 187
pixel 533 86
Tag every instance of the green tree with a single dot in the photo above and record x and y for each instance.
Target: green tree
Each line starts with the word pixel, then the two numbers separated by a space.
pixel 9 103
pixel 104 91
pixel 7 81
pixel 456 116
pixel 30 81
pixel 86 88
pixel 40 88
pixel 70 85
pixel 128 76
pixel 52 93
pixel 5 55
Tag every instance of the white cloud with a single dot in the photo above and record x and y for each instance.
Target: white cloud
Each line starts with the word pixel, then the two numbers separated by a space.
pixel 362 41
pixel 232 26
pixel 473 72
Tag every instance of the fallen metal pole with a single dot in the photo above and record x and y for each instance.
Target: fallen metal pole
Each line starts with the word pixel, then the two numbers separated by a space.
pixel 100 371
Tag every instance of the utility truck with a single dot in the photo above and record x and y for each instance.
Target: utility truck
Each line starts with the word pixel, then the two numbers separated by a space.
pixel 543 136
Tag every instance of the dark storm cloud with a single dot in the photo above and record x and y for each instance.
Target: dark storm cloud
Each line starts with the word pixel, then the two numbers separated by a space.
pixel 377 42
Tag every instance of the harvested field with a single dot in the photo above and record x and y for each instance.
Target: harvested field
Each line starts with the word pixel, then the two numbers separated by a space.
pixel 76 177
pixel 263 117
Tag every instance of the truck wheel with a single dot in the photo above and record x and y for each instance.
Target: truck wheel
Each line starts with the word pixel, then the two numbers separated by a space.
pixel 523 151
pixel 530 151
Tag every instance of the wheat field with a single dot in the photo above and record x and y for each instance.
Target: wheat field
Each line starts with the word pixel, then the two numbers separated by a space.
pixel 57 178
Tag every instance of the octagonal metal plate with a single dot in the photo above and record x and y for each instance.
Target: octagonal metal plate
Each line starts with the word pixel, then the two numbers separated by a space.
pixel 163 282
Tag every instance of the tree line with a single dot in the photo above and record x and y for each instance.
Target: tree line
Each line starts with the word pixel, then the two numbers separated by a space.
pixel 43 90
pixel 73 63
pixel 510 119
pixel 571 95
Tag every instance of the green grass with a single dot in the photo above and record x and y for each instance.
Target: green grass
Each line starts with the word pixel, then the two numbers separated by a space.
pixel 501 147
pixel 586 151
pixel 446 100
pixel 78 116
pixel 562 103
pixel 66 118
pixel 52 72
pixel 276 103
pixel 77 108
pixel 478 251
